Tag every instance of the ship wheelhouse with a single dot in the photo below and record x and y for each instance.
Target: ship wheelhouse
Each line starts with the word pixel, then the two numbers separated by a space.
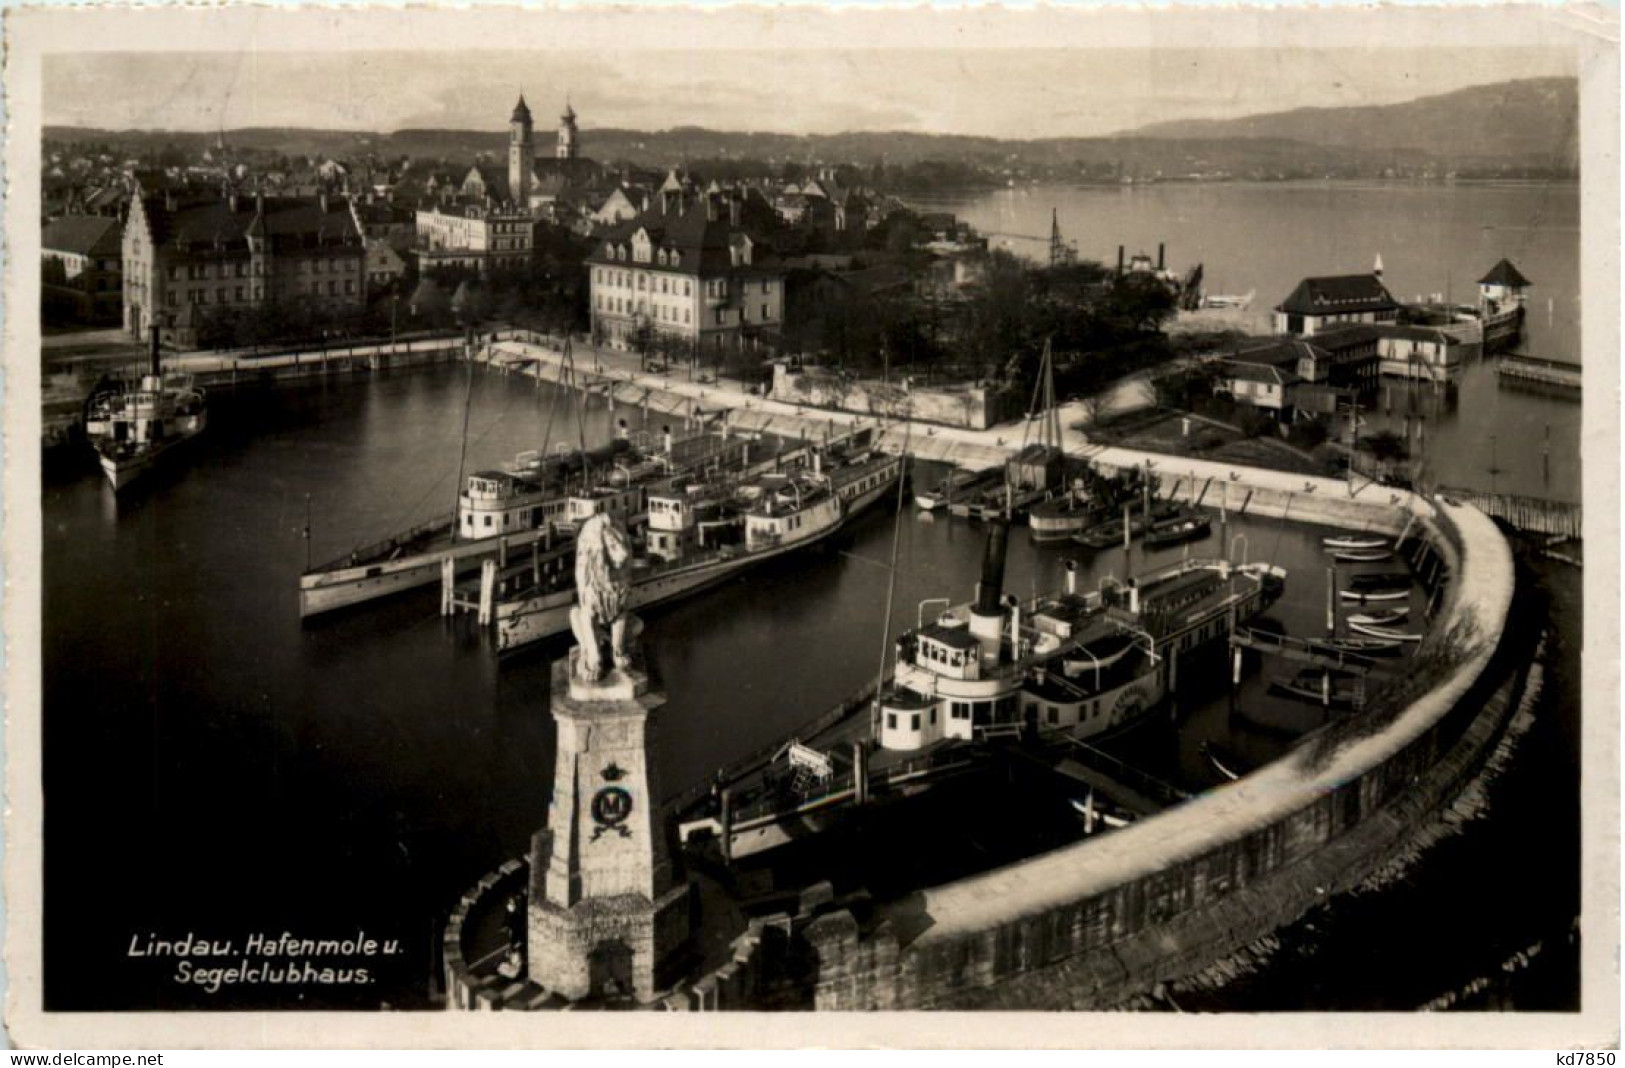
pixel 494 503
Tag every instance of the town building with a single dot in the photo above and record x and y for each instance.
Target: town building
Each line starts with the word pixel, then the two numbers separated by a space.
pixel 1320 303
pixel 482 236
pixel 82 270
pixel 188 258
pixel 693 269
pixel 1263 385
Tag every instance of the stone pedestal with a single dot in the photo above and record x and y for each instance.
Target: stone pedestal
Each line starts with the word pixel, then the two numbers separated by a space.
pixel 605 914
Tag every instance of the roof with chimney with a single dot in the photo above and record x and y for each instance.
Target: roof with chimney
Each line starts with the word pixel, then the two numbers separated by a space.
pixel 1504 274
pixel 1342 294
pixel 695 235
pixel 93 236
pixel 220 223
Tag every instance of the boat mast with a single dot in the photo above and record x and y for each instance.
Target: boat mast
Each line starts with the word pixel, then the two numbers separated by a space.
pixel 462 456
pixel 891 580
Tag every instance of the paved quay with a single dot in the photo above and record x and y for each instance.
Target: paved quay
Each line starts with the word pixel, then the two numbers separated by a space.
pixel 608 369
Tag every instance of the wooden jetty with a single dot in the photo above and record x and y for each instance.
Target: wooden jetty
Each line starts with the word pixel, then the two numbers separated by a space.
pixel 1530 369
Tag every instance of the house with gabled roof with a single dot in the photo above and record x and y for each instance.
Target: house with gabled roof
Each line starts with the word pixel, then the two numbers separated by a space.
pixel 188 257
pixel 1319 303
pixel 695 268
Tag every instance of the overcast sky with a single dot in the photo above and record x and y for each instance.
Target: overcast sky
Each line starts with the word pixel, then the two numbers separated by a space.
pixel 1003 93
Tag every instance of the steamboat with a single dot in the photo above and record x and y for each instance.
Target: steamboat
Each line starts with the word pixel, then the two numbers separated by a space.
pixel 699 534
pixel 532 502
pixel 1066 666
pixel 135 424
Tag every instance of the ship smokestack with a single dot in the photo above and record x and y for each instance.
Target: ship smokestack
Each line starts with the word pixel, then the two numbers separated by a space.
pixel 155 359
pixel 991 586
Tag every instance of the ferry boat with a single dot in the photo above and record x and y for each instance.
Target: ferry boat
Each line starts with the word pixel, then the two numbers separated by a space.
pixel 1066 665
pixel 781 513
pixel 960 484
pixel 1380 617
pixel 133 425
pixel 530 501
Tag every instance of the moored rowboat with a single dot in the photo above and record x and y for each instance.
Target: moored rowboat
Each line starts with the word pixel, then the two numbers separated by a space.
pixel 1385 633
pixel 1354 541
pixel 1381 617
pixel 1382 595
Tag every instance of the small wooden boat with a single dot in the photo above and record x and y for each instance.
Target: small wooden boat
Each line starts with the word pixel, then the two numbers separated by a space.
pixel 1378 595
pixel 1320 687
pixel 1361 556
pixel 1380 617
pixel 1224 762
pixel 1355 541
pixel 1373 581
pixel 1174 531
pixel 1385 633
pixel 1109 534
pixel 1362 646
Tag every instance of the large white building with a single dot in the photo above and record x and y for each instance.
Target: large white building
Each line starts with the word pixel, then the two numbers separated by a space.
pixel 689 269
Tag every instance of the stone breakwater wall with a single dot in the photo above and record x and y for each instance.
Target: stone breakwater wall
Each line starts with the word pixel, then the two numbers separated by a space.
pixel 1167 895
pixel 474 985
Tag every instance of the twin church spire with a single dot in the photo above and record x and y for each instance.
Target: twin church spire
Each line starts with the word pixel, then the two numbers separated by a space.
pixel 522 147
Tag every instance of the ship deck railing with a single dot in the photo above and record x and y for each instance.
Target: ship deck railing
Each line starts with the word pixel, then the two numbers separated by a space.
pixel 1301 650
pixel 1163 794
pixel 371 553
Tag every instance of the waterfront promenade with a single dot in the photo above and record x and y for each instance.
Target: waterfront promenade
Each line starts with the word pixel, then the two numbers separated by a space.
pixel 620 374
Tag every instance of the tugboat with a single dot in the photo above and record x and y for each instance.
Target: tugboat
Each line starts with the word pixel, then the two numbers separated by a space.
pixel 131 426
pixel 781 514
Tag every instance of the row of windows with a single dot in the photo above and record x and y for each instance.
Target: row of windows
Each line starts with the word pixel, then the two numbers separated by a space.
pixel 244 268
pixel 627 279
pixel 224 296
pixel 913 720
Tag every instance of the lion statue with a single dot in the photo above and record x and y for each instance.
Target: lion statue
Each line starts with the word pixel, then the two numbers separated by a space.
pixel 603 628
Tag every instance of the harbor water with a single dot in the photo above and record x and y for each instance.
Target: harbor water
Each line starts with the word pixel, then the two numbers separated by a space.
pixel 215 768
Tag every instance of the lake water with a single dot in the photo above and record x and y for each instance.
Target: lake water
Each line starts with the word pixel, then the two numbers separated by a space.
pixel 1265 237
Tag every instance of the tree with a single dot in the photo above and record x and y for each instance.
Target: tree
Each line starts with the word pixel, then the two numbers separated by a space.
pixel 1385 446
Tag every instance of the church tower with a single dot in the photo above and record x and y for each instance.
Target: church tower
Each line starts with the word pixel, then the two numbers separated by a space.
pixel 569 136
pixel 521 153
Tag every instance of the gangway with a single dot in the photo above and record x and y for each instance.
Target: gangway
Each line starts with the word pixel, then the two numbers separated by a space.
pixel 1301 650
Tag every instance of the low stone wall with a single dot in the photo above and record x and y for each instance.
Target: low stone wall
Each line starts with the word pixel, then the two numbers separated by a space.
pixel 1169 893
pixel 467 988
pixel 969 407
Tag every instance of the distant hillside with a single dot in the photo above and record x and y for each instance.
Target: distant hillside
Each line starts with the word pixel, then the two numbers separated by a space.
pixel 1527 122
pixel 1526 127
